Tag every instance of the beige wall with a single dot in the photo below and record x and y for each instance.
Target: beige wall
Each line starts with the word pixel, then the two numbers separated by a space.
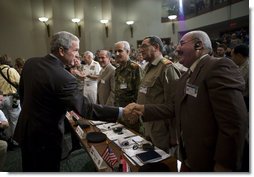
pixel 23 35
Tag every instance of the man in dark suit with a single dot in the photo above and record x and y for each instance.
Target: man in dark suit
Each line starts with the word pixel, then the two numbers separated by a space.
pixel 209 108
pixel 47 90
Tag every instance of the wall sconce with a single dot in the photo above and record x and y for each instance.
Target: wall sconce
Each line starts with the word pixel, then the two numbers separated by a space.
pixel 44 20
pixel 106 26
pixel 130 23
pixel 172 18
pixel 76 21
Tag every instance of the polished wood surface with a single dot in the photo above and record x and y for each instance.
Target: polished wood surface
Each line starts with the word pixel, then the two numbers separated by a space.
pixel 100 147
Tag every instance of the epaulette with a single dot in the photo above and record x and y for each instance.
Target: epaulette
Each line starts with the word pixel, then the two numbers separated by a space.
pixel 166 61
pixel 134 65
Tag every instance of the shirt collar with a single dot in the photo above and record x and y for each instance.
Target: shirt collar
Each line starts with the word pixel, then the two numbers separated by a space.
pixel 193 66
pixel 52 55
pixel 157 60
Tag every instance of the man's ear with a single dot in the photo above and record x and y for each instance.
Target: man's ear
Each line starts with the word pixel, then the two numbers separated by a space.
pixel 61 51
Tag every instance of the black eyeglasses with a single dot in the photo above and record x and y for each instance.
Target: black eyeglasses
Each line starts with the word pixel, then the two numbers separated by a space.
pixel 181 43
pixel 144 46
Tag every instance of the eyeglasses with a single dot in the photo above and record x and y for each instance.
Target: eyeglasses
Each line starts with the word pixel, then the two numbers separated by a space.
pixel 144 46
pixel 181 43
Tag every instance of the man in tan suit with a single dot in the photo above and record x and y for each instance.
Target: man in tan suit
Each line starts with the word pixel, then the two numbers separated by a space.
pixel 106 80
pixel 209 108
pixel 156 88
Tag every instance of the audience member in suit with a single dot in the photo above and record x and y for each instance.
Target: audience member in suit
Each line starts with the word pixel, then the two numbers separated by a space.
pixel 47 90
pixel 106 80
pixel 209 108
pixel 240 55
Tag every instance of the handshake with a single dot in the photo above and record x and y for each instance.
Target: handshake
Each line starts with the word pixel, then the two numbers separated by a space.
pixel 132 112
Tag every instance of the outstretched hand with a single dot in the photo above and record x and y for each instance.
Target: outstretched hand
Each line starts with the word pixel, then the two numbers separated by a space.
pixel 132 112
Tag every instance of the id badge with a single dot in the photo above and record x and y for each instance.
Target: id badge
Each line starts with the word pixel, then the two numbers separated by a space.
pixel 143 90
pixel 191 90
pixel 123 86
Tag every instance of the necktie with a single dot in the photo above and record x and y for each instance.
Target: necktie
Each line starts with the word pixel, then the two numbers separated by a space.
pixel 189 72
pixel 147 68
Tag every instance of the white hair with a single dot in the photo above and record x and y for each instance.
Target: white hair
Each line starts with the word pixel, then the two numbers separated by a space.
pixel 89 53
pixel 125 44
pixel 204 38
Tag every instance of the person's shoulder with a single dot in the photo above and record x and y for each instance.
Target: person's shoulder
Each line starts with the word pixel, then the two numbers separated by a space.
pixel 134 65
pixel 165 61
pixel 111 67
pixel 96 62
pixel 36 59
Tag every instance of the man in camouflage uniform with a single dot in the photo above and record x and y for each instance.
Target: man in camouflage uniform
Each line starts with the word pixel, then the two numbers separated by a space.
pixel 127 79
pixel 156 88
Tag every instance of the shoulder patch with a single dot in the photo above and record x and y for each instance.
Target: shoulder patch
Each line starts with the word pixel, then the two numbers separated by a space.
pixel 166 61
pixel 134 65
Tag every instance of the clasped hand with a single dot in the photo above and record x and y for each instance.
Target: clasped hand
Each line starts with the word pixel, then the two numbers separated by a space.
pixel 132 112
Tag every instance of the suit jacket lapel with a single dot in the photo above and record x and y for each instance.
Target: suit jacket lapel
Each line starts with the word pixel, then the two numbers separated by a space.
pixel 197 70
pixel 181 88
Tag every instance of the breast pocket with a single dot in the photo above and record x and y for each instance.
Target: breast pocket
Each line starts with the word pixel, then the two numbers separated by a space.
pixel 148 86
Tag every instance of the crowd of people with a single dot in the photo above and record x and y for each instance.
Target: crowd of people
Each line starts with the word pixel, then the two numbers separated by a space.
pixel 190 99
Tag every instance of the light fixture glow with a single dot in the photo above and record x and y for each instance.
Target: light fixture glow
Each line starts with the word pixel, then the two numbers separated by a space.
pixel 104 21
pixel 172 17
pixel 43 19
pixel 130 22
pixel 75 20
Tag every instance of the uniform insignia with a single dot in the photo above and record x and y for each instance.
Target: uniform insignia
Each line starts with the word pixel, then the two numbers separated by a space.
pixel 134 65
pixel 166 61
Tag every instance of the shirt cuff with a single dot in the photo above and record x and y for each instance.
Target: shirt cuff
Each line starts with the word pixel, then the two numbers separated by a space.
pixel 120 114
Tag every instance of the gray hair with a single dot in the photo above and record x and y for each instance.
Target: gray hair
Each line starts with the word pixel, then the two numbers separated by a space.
pixel 107 53
pixel 89 53
pixel 204 38
pixel 62 39
pixel 125 44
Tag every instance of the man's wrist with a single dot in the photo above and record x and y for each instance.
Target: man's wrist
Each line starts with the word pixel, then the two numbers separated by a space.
pixel 121 113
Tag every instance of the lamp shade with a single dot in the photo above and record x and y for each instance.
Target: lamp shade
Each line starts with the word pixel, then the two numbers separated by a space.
pixel 129 22
pixel 104 21
pixel 43 19
pixel 75 20
pixel 172 17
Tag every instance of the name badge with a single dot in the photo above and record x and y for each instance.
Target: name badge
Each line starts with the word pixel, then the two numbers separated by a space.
pixel 191 90
pixel 123 86
pixel 102 81
pixel 143 90
pixel 99 162
pixel 80 132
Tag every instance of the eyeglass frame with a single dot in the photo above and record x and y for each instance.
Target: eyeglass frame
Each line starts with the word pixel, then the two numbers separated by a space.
pixel 181 43
pixel 153 40
pixel 145 46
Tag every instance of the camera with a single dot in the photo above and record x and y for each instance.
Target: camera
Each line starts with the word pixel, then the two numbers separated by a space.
pixel 15 100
